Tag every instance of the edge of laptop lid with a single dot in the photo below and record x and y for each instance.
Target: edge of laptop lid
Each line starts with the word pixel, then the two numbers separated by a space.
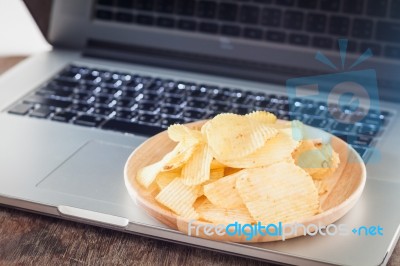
pixel 74 26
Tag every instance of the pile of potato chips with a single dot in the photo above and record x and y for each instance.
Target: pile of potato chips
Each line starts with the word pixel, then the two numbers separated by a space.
pixel 244 169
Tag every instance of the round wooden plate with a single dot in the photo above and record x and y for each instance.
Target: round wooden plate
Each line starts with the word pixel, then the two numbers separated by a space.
pixel 344 187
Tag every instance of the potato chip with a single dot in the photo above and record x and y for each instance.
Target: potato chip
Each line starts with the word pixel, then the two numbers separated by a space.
pixel 282 192
pixel 179 198
pixel 164 178
pixel 217 173
pixel 317 159
pixel 232 136
pixel 218 215
pixel 178 133
pixel 172 160
pixel 215 164
pixel 222 193
pixel 276 149
pixel 262 117
pixel 197 168
pixel 231 171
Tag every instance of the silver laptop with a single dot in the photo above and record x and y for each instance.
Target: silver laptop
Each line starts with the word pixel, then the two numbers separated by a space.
pixel 123 70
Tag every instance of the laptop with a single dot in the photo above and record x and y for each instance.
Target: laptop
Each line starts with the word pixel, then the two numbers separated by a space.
pixel 123 70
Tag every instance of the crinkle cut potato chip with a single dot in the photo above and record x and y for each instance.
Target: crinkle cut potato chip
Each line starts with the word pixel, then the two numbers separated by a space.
pixel 217 215
pixel 262 117
pixel 197 168
pixel 164 178
pixel 232 136
pixel 282 192
pixel 178 133
pixel 276 149
pixel 179 198
pixel 172 160
pixel 222 193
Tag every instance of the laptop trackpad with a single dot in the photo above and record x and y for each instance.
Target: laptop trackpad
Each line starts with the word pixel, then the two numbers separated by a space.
pixel 94 171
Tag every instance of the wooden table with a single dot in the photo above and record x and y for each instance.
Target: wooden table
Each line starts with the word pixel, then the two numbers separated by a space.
pixel 27 238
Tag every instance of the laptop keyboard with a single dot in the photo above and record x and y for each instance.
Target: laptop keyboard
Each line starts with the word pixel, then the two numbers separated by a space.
pixel 373 24
pixel 144 105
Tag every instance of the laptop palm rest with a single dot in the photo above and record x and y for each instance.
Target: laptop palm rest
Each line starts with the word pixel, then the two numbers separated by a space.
pixel 94 171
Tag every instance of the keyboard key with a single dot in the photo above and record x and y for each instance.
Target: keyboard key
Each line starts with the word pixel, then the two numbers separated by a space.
pixel 48 102
pixel 367 130
pixel 80 107
pixel 228 11
pixel 167 121
pixel 375 48
pixel 21 109
pixel 41 112
pixel 173 100
pixel 170 110
pixel 249 14
pixel 298 39
pixel 145 20
pixel 206 9
pixel 88 120
pixel 199 104
pixel 318 122
pixel 252 33
pixel 193 114
pixel 185 24
pixel 285 2
pixel 387 31
pixel 293 20
pixel 275 36
pixel 351 46
pixel 316 23
pixel 395 9
pixel 230 30
pixel 104 14
pixel 125 114
pixel 164 6
pixel 392 52
pixel 310 4
pixel 208 27
pixel 148 118
pixel 353 7
pixel 339 25
pixel 103 111
pixel 125 3
pixel 63 116
pixel 342 127
pixel 131 127
pixel 220 107
pixel 185 7
pixel 362 28
pixel 377 8
pixel 322 42
pixel 271 17
pixel 147 106
pixel 146 5
pixel 124 17
pixel 241 110
pixel 330 5
pixel 165 22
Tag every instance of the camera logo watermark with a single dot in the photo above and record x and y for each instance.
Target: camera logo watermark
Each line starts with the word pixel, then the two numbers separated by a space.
pixel 345 100
pixel 283 231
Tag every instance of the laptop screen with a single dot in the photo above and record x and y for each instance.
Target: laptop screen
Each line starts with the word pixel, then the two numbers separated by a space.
pixel 257 39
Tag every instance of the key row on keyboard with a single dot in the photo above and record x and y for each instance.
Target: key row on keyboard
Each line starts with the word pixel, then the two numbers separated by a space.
pixel 229 10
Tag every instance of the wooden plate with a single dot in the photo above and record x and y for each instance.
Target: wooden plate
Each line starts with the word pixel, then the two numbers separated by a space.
pixel 344 186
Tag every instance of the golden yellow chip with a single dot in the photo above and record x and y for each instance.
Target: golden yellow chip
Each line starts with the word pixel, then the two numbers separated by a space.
pixel 164 178
pixel 215 164
pixel 222 193
pixel 217 173
pixel 197 168
pixel 179 198
pixel 317 159
pixel 282 192
pixel 276 149
pixel 178 132
pixel 232 136
pixel 262 117
pixel 218 215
